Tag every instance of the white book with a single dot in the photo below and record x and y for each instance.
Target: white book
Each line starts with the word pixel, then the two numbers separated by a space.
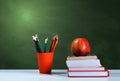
pixel 86 68
pixel 88 73
pixel 83 63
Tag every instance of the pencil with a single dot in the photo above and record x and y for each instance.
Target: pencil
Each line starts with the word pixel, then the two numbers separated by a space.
pixel 35 42
pixel 45 44
pixel 54 44
pixel 51 44
pixel 39 44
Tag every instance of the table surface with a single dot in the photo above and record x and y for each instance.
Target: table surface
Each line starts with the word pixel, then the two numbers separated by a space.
pixel 57 75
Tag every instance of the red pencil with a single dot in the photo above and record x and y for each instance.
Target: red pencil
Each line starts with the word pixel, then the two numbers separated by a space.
pixel 54 44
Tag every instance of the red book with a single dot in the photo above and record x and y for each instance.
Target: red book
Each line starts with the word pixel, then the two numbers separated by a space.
pixel 88 73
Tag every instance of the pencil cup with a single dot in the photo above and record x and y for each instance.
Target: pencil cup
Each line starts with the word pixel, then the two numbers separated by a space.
pixel 45 61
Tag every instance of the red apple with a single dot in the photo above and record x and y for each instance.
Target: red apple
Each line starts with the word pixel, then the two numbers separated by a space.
pixel 80 47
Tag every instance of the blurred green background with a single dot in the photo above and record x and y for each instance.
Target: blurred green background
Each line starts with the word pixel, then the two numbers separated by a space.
pixel 96 20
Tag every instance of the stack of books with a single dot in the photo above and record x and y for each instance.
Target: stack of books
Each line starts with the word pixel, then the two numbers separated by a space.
pixel 85 66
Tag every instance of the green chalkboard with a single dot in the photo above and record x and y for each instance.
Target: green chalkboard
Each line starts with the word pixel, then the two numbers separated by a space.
pixel 96 20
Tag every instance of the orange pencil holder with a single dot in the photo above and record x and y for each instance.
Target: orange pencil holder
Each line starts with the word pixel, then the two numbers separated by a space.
pixel 45 61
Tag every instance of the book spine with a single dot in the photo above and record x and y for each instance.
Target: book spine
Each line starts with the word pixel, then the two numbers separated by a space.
pixel 87 70
pixel 88 76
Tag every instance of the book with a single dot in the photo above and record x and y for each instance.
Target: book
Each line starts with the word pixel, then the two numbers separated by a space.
pixel 90 73
pixel 81 57
pixel 84 63
pixel 86 68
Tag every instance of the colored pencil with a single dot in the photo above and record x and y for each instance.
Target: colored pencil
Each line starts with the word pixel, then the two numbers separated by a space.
pixel 45 45
pixel 54 43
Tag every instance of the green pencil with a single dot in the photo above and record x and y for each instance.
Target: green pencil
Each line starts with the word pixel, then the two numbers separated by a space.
pixel 45 45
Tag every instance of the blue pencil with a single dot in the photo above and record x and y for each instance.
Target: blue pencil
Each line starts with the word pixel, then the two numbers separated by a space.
pixel 37 43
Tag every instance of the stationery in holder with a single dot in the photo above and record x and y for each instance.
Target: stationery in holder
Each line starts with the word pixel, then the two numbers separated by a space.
pixel 45 58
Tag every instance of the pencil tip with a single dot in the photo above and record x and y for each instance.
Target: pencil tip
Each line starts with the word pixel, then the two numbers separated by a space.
pixel 34 38
pixel 55 37
pixel 46 40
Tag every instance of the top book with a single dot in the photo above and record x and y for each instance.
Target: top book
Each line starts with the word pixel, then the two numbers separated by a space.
pixel 82 57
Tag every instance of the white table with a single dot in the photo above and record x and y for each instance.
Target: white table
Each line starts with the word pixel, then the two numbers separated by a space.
pixel 57 75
